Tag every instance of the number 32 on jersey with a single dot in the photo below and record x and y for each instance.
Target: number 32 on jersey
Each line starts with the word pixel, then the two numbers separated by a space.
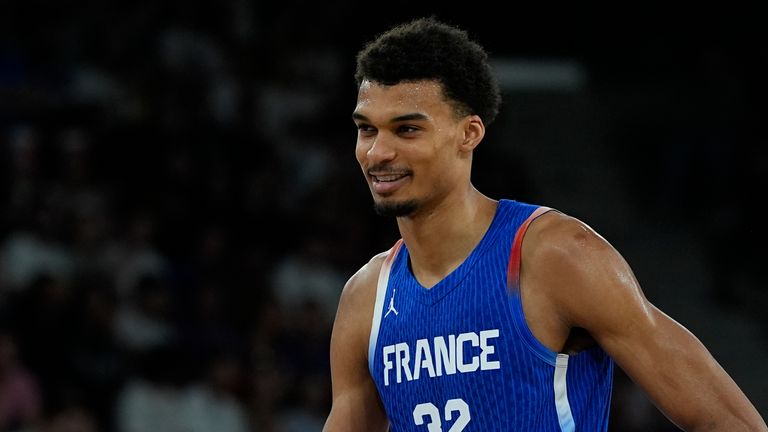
pixel 429 413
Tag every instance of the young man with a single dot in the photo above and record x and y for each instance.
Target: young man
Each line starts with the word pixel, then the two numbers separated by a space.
pixel 490 315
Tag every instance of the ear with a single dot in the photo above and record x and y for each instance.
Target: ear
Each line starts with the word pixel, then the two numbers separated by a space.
pixel 474 131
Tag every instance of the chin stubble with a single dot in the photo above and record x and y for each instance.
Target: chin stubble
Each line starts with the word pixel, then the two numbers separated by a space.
pixel 396 209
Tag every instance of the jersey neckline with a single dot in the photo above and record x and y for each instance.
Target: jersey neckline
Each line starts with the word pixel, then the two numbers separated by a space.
pixel 454 279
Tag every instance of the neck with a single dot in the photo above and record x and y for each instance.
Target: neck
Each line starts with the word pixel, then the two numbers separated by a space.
pixel 439 239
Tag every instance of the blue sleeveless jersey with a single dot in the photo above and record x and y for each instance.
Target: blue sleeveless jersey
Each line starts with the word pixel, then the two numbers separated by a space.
pixel 460 357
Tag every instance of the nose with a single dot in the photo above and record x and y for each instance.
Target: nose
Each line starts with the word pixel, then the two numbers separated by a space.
pixel 382 149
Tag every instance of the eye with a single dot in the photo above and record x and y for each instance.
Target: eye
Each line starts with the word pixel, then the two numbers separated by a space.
pixel 365 129
pixel 407 129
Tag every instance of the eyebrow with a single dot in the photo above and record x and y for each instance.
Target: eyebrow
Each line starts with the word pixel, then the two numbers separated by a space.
pixel 400 118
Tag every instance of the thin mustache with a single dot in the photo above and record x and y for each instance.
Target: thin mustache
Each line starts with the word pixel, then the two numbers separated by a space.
pixel 384 170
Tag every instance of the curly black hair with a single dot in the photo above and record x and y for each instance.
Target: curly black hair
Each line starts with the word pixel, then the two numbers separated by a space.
pixel 427 49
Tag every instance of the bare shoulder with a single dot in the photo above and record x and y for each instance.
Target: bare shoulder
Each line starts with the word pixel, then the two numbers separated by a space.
pixel 576 268
pixel 352 326
pixel 556 235
pixel 356 405
pixel 360 289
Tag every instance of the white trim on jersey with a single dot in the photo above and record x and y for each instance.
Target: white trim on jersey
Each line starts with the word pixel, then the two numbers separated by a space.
pixel 381 291
pixel 562 405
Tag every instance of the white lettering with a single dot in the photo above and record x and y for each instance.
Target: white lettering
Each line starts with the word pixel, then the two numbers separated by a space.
pixel 403 357
pixel 389 349
pixel 445 355
pixel 423 359
pixel 486 350
pixel 460 365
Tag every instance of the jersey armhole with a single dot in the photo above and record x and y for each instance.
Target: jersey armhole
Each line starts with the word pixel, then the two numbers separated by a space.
pixel 381 291
pixel 513 289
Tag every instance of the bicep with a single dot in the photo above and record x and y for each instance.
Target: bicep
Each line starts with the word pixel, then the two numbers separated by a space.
pixel 665 359
pixel 681 376
pixel 356 409
pixel 356 404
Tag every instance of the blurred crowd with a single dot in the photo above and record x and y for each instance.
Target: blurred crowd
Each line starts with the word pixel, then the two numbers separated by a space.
pixel 179 210
pixel 161 306
pixel 177 222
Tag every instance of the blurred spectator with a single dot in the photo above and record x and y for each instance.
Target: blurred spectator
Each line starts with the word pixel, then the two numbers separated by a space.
pixel 213 403
pixel 99 364
pixel 207 326
pixel 307 275
pixel 152 400
pixel 134 257
pixel 22 177
pixel 310 409
pixel 29 253
pixel 20 398
pixel 71 418
pixel 269 383
pixel 43 322
pixel 146 322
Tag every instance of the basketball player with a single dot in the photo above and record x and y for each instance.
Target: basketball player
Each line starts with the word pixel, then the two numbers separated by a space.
pixel 490 315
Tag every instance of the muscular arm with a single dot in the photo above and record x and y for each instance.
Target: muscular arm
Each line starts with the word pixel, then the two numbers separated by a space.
pixel 590 286
pixel 356 404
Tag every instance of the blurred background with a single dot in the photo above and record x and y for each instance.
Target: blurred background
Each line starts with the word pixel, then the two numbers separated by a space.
pixel 180 205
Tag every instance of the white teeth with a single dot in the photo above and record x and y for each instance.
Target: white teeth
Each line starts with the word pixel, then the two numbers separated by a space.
pixel 388 178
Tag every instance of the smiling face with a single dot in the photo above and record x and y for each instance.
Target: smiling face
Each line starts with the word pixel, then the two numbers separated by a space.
pixel 411 145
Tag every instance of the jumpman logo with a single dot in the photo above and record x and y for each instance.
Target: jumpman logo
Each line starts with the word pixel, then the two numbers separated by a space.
pixel 391 304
